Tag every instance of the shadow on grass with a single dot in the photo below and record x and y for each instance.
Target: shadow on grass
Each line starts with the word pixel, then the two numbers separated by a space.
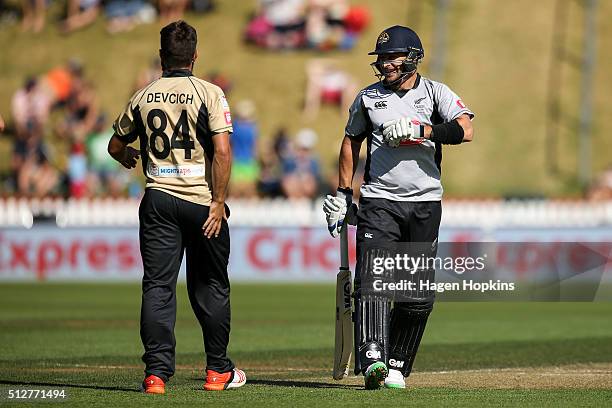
pixel 62 385
pixel 302 384
pixel 431 357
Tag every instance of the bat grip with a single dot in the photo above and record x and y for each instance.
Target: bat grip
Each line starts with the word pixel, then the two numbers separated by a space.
pixel 344 261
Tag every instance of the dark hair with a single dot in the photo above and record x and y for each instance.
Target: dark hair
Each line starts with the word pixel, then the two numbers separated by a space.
pixel 178 44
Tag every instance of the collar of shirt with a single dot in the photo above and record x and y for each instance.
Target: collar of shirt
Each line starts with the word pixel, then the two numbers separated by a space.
pixel 402 92
pixel 173 73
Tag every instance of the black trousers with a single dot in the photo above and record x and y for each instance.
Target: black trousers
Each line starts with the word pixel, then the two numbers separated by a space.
pixel 393 221
pixel 382 224
pixel 168 227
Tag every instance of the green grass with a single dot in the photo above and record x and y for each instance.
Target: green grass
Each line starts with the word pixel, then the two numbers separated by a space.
pixel 497 60
pixel 84 338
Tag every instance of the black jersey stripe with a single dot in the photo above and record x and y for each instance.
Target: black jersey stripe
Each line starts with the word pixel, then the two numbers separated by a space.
pixel 144 142
pixel 196 90
pixel 435 119
pixel 203 133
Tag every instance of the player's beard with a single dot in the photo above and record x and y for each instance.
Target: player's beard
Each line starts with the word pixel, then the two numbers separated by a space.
pixel 397 83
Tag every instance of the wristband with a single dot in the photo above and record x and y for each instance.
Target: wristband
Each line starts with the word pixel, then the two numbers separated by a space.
pixel 447 133
pixel 347 190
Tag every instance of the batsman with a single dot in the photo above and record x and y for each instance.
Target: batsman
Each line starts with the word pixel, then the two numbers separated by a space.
pixel 404 119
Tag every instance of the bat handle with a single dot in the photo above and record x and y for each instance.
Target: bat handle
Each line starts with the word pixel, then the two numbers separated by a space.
pixel 344 261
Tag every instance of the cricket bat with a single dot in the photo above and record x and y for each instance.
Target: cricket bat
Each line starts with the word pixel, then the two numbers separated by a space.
pixel 344 319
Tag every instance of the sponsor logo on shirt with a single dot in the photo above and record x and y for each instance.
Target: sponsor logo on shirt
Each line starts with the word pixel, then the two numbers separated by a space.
pixel 152 169
pixel 380 105
pixel 460 104
pixel 224 102
pixel 228 118
pixel 176 171
pixel 418 106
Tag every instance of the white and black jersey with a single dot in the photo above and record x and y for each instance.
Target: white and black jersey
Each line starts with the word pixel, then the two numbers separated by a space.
pixel 410 172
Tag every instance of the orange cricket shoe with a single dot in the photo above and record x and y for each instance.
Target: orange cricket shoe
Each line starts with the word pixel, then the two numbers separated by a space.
pixel 224 381
pixel 153 385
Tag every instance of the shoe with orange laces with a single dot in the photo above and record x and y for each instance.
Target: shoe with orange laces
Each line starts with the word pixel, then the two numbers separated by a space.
pixel 224 381
pixel 153 385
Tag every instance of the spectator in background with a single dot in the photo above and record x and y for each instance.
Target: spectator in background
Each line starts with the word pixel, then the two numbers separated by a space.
pixel 245 169
pixel 35 177
pixel 30 109
pixel 81 113
pixel 285 20
pixel 123 15
pixel 34 13
pixel 202 6
pixel 80 14
pixel 601 190
pixel 271 157
pixel 59 82
pixel 319 24
pixel 325 24
pixel 301 172
pixel 31 172
pixel 219 79
pixel 105 176
pixel 327 83
pixel 149 74
pixel 171 10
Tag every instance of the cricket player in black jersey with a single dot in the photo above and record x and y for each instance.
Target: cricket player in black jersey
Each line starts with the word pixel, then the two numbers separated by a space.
pixel 404 119
pixel 183 124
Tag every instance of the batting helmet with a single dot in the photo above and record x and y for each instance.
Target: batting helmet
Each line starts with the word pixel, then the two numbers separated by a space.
pixel 399 39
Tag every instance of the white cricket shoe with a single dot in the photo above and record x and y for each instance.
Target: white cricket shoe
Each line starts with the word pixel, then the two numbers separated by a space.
pixel 395 379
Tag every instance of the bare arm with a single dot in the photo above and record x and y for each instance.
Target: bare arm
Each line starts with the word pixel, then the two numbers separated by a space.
pixel 468 131
pixel 221 169
pixel 349 158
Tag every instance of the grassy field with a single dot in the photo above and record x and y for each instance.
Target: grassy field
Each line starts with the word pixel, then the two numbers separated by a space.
pixel 498 58
pixel 84 339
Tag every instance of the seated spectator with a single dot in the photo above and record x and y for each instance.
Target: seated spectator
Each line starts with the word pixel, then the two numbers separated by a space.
pixel 31 171
pixel 219 79
pixel 34 14
pixel 30 109
pixel 105 175
pixel 58 83
pixel 245 169
pixel 327 83
pixel 325 23
pixel 301 172
pixel 601 190
pixel 278 24
pixel 35 177
pixel 318 24
pixel 81 113
pixel 270 169
pixel 80 14
pixel 123 15
pixel 171 10
pixel 149 74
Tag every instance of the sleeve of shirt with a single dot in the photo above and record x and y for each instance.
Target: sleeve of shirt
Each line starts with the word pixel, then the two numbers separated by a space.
pixel 219 116
pixel 450 106
pixel 357 124
pixel 124 125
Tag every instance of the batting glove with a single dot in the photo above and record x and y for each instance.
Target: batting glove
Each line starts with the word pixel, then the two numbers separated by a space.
pixel 335 210
pixel 396 131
